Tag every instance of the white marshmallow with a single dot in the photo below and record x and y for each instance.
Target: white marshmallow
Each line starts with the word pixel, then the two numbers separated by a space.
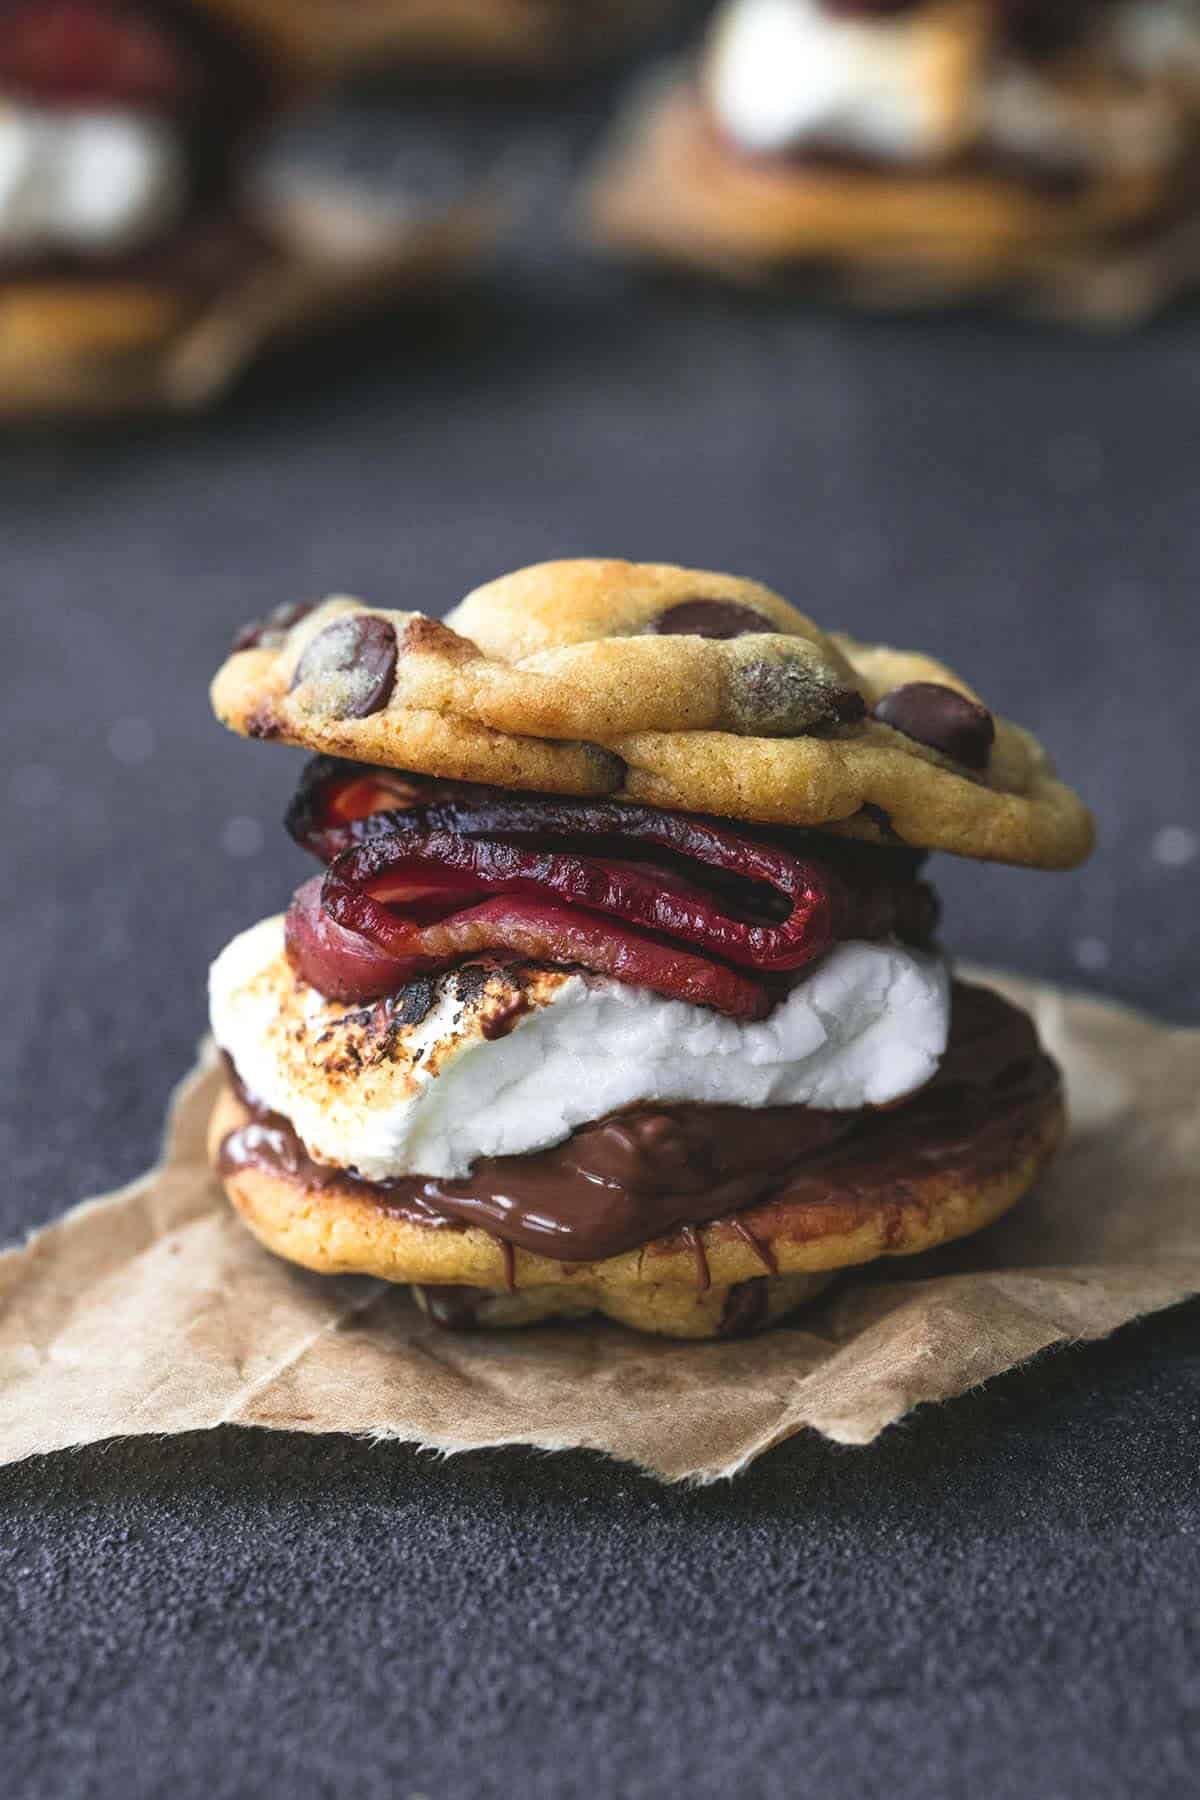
pixel 95 182
pixel 868 1025
pixel 785 72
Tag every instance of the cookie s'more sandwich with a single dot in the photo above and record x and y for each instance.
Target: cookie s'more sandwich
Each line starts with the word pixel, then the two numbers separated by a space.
pixel 926 149
pixel 178 193
pixel 618 986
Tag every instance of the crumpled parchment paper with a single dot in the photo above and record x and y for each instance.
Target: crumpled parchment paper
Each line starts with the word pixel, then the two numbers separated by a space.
pixel 152 1310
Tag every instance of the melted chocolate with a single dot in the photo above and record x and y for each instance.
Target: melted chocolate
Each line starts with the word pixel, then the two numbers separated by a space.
pixel 711 619
pixel 775 695
pixel 766 688
pixel 941 717
pixel 623 1182
pixel 764 1252
pixel 362 646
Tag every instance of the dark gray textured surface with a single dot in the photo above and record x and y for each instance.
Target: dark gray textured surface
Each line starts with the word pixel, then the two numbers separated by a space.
pixel 1000 1597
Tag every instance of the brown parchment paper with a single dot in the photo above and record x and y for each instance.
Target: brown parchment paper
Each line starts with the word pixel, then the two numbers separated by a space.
pixel 153 1310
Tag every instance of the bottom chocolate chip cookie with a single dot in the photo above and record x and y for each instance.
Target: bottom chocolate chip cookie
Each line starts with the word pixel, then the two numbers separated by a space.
pixel 738 1310
pixel 817 1197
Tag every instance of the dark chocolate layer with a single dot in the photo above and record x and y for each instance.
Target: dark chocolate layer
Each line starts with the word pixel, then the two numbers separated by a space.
pixel 625 1180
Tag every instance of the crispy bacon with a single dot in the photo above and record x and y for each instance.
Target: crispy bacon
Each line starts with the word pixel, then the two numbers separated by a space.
pixel 423 874
pixel 341 964
pixel 187 63
pixel 81 52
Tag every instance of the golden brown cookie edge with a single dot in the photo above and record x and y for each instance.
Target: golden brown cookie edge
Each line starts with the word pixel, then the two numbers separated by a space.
pixel 336 1230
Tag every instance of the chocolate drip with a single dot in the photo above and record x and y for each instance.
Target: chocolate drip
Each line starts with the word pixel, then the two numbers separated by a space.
pixel 510 1261
pixel 638 1176
pixel 695 1244
pixel 745 1309
pixel 764 1252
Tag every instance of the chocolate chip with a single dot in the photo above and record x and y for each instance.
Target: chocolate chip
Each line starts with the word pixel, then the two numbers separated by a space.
pixel 452 1307
pixel 745 1308
pixel 610 768
pixel 942 718
pixel 350 667
pixel 269 633
pixel 789 692
pixel 882 822
pixel 710 619
pixel 848 705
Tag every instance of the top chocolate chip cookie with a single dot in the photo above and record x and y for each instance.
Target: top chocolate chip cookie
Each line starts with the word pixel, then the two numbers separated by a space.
pixel 679 687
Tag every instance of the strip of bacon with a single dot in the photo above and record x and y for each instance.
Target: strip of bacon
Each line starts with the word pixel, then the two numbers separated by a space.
pixel 340 964
pixel 687 907
pixel 188 63
pixel 348 965
pixel 90 52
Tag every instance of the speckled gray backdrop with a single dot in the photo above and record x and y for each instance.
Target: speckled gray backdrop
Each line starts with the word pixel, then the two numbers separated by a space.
pixel 999 1598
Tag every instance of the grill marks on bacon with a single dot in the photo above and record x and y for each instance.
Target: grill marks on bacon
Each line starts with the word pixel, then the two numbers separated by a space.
pixel 686 907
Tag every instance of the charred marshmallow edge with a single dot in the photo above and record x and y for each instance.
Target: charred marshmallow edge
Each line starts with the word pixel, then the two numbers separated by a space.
pixel 866 1027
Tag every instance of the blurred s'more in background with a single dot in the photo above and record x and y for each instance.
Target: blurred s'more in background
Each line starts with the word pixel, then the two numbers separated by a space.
pixel 923 150
pixel 181 186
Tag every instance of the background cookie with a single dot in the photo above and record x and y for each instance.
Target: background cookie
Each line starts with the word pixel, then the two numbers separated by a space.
pixel 668 189
pixel 935 150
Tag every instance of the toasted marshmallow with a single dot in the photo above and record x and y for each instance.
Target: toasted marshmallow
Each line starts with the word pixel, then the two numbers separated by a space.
pixel 498 1059
pixel 783 73
pixel 920 85
pixel 93 182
